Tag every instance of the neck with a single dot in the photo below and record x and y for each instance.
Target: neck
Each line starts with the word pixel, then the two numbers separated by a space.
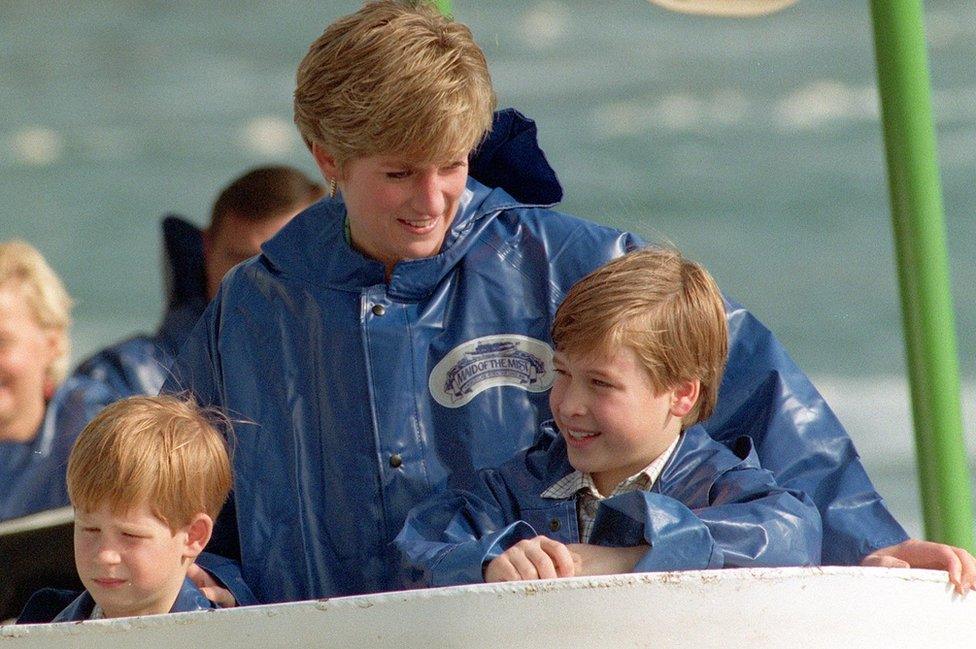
pixel 607 481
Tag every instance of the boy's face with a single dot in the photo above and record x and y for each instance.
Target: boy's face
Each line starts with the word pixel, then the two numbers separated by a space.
pixel 132 564
pixel 607 411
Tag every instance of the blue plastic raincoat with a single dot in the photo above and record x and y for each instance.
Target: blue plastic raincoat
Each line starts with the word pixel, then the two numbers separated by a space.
pixel 709 508
pixel 355 398
pixel 32 474
pixel 140 365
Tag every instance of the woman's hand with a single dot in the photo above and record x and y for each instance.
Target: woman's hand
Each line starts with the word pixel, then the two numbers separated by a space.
pixel 599 560
pixel 210 588
pixel 915 553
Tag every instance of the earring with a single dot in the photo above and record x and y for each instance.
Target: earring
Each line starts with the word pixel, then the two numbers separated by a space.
pixel 332 187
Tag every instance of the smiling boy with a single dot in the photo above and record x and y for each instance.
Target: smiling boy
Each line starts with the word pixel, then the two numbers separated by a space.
pixel 146 477
pixel 623 479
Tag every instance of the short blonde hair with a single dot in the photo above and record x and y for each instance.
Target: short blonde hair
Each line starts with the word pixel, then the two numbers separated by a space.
pixel 162 450
pixel 666 308
pixel 24 268
pixel 394 78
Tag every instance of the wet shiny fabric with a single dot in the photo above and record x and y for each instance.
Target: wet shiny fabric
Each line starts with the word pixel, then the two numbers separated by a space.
pixel 710 508
pixel 327 368
pixel 32 474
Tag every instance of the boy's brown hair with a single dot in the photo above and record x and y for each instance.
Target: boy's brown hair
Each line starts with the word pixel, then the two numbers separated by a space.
pixel 394 78
pixel 666 308
pixel 263 193
pixel 162 450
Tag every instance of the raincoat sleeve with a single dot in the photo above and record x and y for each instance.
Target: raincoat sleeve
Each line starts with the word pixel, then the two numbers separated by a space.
pixel 765 396
pixel 748 522
pixel 448 539
pixel 196 373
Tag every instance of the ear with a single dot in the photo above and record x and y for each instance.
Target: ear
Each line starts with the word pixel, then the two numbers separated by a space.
pixel 198 535
pixel 55 345
pixel 326 162
pixel 684 396
pixel 55 341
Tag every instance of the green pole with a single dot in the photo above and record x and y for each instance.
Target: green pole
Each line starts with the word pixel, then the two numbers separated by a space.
pixel 923 270
pixel 443 6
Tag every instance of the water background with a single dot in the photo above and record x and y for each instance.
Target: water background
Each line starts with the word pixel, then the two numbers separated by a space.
pixel 754 146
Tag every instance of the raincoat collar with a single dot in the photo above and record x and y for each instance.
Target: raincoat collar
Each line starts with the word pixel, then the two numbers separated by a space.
pixel 313 247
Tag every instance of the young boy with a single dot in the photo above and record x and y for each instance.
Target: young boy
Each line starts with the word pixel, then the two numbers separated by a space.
pixel 623 479
pixel 146 477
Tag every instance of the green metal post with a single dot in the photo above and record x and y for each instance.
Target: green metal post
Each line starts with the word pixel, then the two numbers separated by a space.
pixel 443 6
pixel 923 271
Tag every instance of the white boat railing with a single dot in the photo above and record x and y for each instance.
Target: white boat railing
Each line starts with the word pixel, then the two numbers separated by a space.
pixel 851 608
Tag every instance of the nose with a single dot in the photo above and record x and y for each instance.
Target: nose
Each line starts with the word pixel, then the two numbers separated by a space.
pixel 108 555
pixel 428 196
pixel 567 399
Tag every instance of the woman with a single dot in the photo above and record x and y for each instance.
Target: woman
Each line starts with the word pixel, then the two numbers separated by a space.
pixel 393 340
pixel 40 412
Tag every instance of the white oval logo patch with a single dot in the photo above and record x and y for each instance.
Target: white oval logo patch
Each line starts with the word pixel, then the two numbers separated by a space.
pixel 472 367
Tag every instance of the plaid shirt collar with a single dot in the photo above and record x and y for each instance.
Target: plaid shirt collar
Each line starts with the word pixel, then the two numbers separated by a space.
pixel 577 481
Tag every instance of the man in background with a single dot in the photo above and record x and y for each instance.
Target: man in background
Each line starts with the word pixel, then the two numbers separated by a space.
pixel 247 213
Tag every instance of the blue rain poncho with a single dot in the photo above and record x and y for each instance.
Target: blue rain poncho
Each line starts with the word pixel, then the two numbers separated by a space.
pixel 709 508
pixel 32 474
pixel 356 398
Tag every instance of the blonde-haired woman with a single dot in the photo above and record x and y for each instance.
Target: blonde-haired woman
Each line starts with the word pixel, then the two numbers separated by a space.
pixel 40 412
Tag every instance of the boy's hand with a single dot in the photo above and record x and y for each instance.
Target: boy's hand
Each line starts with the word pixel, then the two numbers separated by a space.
pixel 915 553
pixel 536 558
pixel 210 588
pixel 600 560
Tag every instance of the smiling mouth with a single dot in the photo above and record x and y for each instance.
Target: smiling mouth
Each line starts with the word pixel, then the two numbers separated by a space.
pixel 581 434
pixel 419 225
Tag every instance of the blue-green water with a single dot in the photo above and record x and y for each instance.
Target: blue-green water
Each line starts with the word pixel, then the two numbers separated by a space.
pixel 753 145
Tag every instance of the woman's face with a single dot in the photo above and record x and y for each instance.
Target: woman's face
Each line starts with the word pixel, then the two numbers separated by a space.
pixel 397 209
pixel 26 352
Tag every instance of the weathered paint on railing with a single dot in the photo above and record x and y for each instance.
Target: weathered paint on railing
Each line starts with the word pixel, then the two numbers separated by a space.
pixel 788 607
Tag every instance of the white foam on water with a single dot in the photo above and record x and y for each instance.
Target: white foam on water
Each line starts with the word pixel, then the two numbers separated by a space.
pixel 544 25
pixel 944 28
pixel 268 135
pixel 112 143
pixel 680 112
pixel 876 411
pixel 37 146
pixel 958 148
pixel 954 104
pixel 824 103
